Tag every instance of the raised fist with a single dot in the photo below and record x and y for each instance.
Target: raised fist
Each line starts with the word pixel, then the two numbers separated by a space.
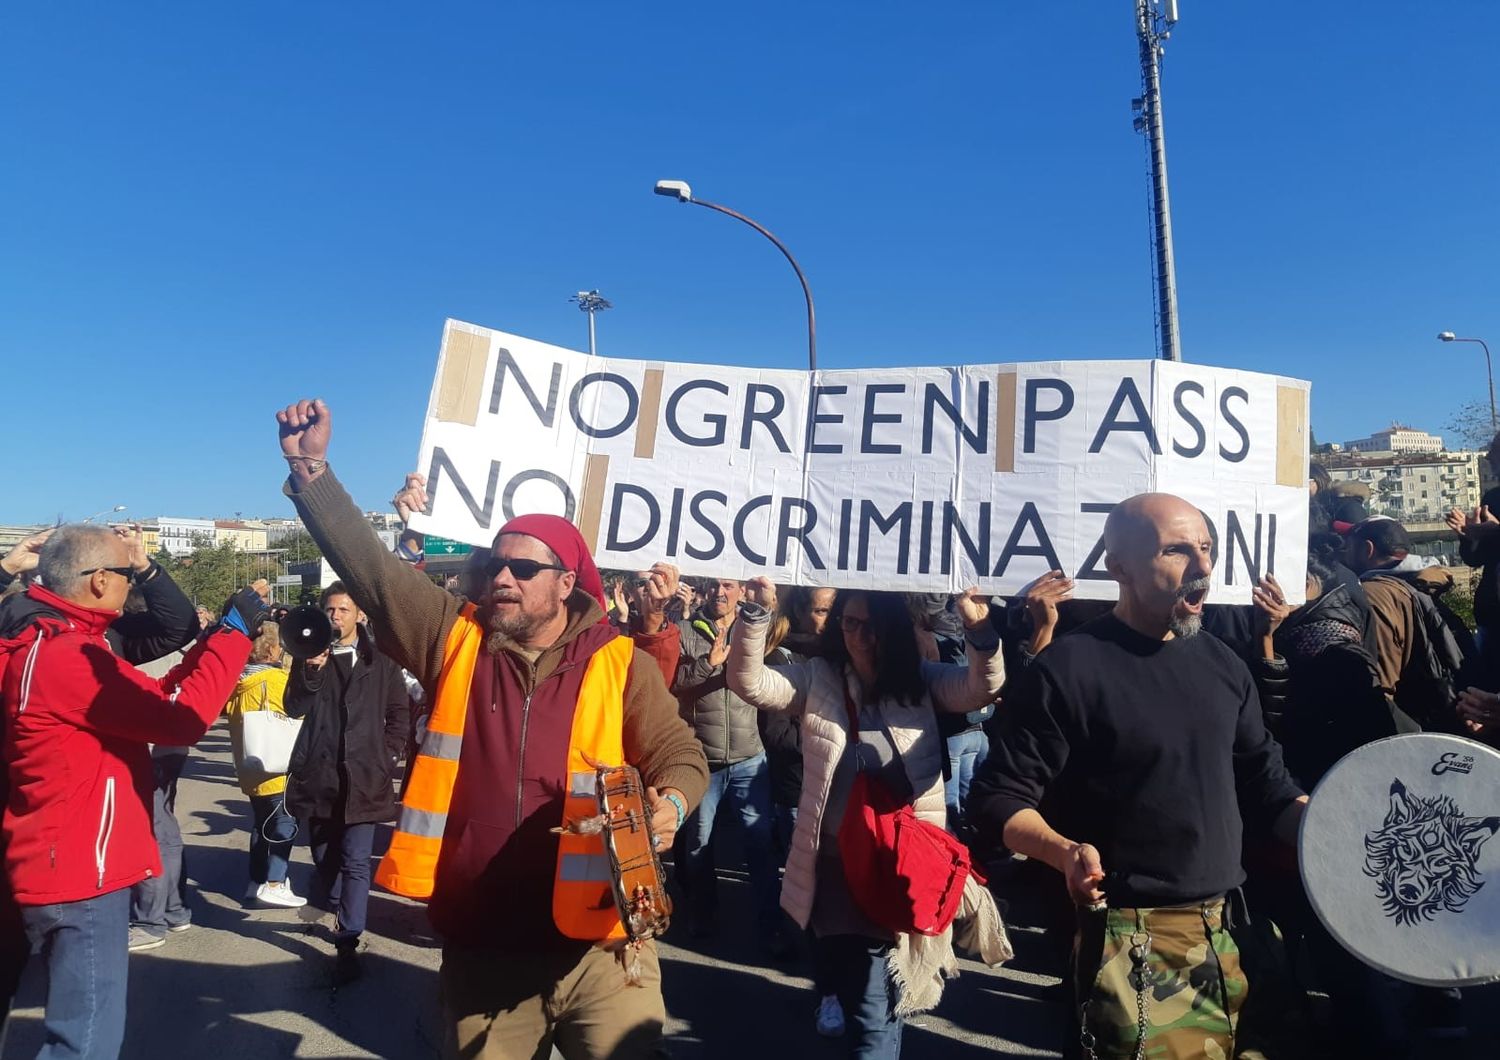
pixel 306 428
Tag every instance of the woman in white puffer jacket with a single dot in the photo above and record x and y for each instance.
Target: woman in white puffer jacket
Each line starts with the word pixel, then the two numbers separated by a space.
pixel 871 660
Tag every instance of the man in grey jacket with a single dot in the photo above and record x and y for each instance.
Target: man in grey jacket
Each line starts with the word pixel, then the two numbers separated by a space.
pixel 738 774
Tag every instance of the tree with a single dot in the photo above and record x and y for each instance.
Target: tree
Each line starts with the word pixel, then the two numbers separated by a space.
pixel 299 547
pixel 208 574
pixel 211 573
pixel 1471 426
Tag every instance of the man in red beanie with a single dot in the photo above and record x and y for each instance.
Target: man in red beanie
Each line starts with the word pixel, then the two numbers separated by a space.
pixel 530 689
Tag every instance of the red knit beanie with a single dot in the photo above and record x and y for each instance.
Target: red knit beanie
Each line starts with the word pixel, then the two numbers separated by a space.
pixel 563 538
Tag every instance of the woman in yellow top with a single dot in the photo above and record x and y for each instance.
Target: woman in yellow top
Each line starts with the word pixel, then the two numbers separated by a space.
pixel 261 687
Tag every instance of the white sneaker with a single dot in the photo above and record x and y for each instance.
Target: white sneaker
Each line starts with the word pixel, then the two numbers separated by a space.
pixel 830 1017
pixel 140 940
pixel 279 894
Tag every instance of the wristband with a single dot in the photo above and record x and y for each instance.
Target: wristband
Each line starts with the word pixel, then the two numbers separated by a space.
pixel 676 800
pixel 311 466
pixel 232 620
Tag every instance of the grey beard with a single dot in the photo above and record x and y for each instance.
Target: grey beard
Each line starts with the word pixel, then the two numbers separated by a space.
pixel 1186 626
pixel 504 634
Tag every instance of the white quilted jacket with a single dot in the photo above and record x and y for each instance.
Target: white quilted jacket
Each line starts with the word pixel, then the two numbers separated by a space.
pixel 815 690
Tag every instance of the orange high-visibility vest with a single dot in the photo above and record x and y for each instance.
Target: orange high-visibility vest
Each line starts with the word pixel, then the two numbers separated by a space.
pixel 583 904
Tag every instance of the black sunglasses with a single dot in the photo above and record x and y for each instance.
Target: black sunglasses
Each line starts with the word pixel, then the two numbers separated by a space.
pixel 523 570
pixel 128 573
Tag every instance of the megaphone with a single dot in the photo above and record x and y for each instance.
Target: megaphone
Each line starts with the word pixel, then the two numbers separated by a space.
pixel 306 631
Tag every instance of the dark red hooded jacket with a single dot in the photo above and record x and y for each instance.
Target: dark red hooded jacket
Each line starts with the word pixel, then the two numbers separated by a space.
pixel 78 720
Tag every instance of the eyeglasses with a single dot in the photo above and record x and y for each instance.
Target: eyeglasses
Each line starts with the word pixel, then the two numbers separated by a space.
pixel 128 573
pixel 850 624
pixel 640 583
pixel 523 570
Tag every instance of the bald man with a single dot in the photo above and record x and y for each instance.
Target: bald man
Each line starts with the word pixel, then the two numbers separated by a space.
pixel 1145 743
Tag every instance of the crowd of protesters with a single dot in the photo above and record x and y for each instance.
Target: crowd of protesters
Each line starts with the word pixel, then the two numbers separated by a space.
pixel 1142 766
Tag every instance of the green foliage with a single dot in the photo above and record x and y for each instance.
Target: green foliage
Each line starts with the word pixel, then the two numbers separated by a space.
pixel 299 548
pixel 1461 603
pixel 210 574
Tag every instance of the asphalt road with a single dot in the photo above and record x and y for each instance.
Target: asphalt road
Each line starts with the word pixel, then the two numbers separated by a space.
pixel 253 984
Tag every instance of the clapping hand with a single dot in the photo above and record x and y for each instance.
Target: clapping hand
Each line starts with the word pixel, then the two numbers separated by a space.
pixel 27 553
pixel 761 590
pixel 411 498
pixel 1271 608
pixel 135 540
pixel 973 607
pixel 661 590
pixel 1478 523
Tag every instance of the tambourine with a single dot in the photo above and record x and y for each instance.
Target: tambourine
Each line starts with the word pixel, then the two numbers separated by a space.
pixel 1398 861
pixel 639 883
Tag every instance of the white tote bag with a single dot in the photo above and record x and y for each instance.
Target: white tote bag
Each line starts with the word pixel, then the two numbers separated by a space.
pixel 268 738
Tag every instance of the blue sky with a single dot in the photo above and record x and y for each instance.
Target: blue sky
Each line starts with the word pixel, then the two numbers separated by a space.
pixel 208 210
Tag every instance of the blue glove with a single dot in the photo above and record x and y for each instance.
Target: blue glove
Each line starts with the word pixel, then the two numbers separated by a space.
pixel 245 611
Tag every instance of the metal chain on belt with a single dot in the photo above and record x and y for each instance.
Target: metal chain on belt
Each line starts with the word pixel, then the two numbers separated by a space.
pixel 1140 947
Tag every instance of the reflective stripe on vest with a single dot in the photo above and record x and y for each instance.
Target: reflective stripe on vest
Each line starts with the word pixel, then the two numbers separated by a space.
pixel 410 864
pixel 583 900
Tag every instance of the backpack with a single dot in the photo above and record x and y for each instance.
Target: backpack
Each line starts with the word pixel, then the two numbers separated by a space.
pixel 1431 680
pixel 904 874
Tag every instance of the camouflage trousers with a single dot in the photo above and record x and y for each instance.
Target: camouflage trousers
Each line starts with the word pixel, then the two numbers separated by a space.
pixel 1161 984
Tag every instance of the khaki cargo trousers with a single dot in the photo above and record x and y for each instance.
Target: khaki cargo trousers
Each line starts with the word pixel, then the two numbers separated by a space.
pixel 517 1005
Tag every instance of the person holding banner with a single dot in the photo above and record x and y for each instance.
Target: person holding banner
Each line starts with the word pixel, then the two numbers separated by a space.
pixel 531 690
pixel 1147 743
pixel 869 707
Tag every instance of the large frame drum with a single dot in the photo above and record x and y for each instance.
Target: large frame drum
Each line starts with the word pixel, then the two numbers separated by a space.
pixel 1398 860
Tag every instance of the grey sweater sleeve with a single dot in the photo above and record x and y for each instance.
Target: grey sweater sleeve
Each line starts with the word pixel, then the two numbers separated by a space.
pixel 410 616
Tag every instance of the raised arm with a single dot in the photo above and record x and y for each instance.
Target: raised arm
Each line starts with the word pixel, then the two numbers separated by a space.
pixel 169 621
pixel 175 709
pixel 410 616
pixel 960 689
pixel 785 687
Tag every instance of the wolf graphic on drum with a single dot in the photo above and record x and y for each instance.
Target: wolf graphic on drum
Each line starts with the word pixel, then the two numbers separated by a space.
pixel 1425 857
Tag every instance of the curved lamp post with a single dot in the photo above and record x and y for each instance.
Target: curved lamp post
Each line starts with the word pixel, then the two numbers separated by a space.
pixel 1448 336
pixel 679 190
pixel 107 511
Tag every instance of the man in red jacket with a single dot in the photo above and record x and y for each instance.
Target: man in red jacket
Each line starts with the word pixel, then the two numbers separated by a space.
pixel 78 816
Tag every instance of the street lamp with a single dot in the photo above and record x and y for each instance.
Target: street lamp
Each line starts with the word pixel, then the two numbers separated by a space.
pixel 1448 336
pixel 107 511
pixel 679 190
pixel 591 302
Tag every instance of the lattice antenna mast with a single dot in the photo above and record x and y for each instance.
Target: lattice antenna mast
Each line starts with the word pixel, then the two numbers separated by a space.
pixel 1154 20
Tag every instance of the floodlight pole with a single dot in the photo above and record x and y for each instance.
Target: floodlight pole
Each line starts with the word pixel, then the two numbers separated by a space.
pixel 1153 24
pixel 591 302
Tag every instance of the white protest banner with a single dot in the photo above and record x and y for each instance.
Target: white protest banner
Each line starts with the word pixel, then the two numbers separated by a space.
pixel 918 479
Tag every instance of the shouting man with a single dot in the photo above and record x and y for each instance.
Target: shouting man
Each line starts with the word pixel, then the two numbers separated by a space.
pixel 1147 742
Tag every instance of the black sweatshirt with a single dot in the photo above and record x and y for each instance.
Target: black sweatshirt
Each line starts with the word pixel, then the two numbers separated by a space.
pixel 1153 751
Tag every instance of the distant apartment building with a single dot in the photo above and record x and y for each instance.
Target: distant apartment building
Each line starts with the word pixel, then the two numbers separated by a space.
pixel 12 534
pixel 1398 439
pixel 1411 487
pixel 181 536
pixel 240 535
pixel 278 530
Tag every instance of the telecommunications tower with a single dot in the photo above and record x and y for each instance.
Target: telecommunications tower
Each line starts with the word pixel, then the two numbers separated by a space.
pixel 1154 20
